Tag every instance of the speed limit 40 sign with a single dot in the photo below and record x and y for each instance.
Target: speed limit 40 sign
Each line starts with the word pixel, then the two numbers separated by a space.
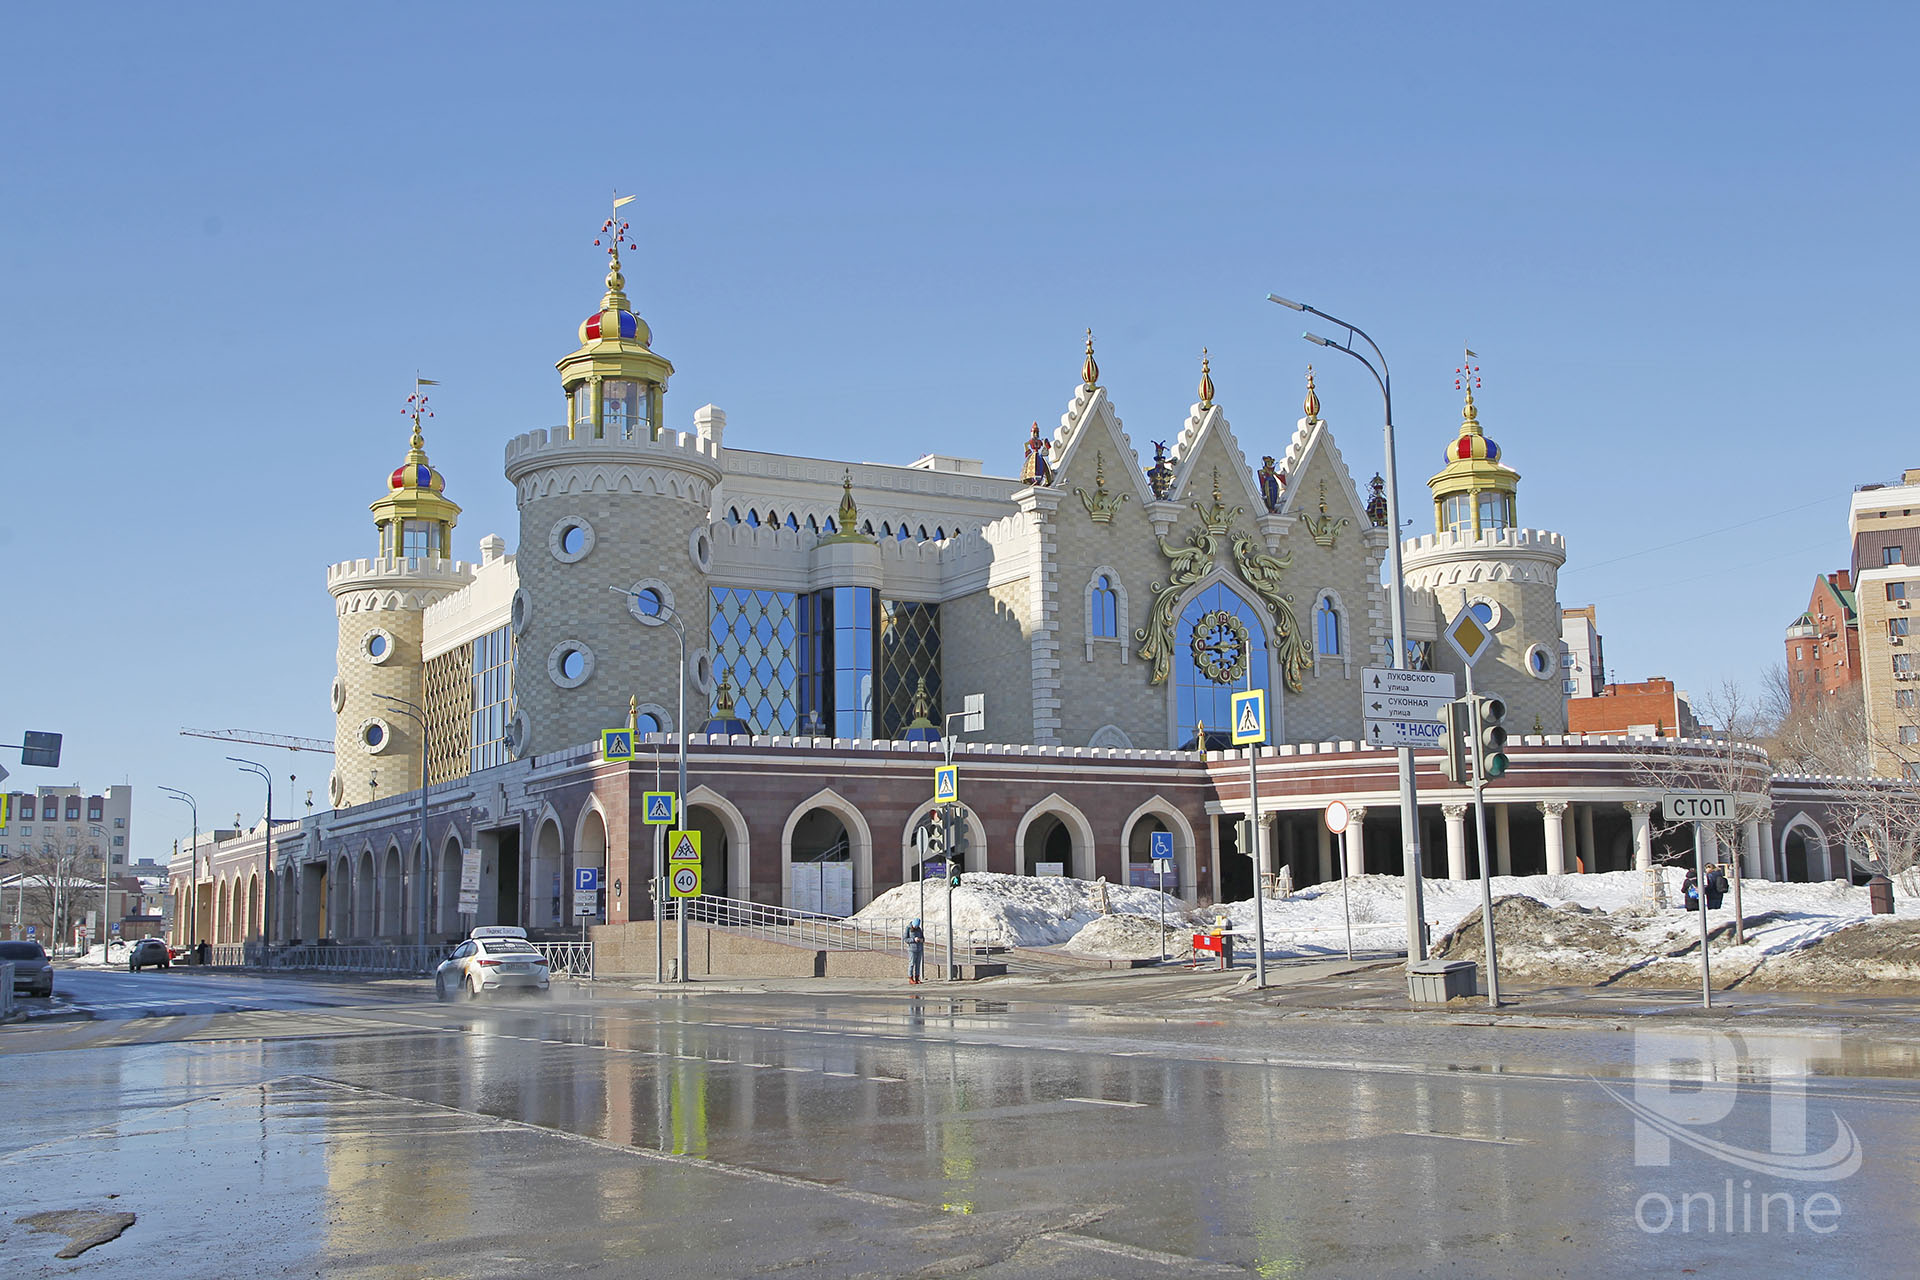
pixel 684 882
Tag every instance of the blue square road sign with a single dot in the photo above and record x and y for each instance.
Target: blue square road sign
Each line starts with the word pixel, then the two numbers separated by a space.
pixel 586 879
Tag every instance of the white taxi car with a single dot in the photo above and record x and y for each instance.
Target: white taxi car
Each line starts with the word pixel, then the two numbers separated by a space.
pixel 495 957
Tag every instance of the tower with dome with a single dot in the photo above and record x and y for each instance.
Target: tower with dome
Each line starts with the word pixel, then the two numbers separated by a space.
pixel 1480 557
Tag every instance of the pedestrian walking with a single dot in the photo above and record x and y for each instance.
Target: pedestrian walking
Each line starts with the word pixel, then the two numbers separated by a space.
pixel 1716 887
pixel 916 943
pixel 1690 892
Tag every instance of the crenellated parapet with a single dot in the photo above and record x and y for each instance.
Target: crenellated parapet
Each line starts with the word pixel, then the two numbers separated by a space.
pixel 1437 560
pixel 677 464
pixel 409 583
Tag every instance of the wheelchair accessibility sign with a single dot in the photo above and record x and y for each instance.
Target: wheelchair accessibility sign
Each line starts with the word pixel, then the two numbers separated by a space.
pixel 657 808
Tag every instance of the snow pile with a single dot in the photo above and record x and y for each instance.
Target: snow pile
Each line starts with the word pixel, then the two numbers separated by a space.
pixel 1131 937
pixel 991 909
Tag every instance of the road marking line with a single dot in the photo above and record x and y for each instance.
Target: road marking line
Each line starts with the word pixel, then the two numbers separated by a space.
pixel 842 1075
pixel 1464 1137
pixel 1105 1102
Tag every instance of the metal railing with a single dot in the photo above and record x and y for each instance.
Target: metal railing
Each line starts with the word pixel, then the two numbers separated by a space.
pixel 388 958
pixel 569 959
pixel 827 933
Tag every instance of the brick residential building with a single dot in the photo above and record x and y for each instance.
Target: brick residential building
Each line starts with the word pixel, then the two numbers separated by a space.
pixel 1823 643
pixel 1649 708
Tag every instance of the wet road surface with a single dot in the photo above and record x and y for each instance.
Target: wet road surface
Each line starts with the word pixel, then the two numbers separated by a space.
pixel 318 1128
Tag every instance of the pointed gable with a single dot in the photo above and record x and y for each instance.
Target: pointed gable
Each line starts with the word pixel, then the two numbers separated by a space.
pixel 1090 427
pixel 1205 442
pixel 1312 456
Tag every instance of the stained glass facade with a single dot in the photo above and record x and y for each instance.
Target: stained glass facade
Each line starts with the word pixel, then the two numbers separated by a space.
pixel 1199 699
pixel 756 635
pixel 909 653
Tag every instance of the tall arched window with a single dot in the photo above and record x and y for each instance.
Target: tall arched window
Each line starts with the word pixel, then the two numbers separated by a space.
pixel 1221 646
pixel 1106 609
pixel 1327 627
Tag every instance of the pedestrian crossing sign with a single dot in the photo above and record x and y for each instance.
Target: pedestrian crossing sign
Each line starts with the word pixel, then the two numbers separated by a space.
pixel 1249 717
pixel 657 808
pixel 616 744
pixel 683 846
pixel 946 783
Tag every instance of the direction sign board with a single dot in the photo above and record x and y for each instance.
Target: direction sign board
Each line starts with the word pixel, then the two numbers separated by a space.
pixel 1249 717
pixel 1468 637
pixel 1405 706
pixel 657 808
pixel 1406 733
pixel 685 880
pixel 1697 806
pixel 616 744
pixel 469 903
pixel 946 783
pixel 1424 684
pixel 974 708
pixel 1337 816
pixel 586 879
pixel 683 846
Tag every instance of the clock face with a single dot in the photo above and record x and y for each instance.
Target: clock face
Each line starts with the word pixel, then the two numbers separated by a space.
pixel 1220 644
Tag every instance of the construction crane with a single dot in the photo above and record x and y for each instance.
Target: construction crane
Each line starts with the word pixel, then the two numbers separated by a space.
pixel 285 741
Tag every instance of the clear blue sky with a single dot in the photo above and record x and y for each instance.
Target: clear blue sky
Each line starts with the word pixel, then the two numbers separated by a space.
pixel 1680 237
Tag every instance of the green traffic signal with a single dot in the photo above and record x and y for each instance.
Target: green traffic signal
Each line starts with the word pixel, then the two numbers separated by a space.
pixel 1496 764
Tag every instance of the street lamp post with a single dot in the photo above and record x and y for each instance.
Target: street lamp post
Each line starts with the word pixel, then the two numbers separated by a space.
pixel 266 853
pixel 413 712
pixel 1409 798
pixel 193 859
pixel 652 611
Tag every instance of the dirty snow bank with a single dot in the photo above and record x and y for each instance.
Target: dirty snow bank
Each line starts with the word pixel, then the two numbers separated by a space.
pixel 1013 911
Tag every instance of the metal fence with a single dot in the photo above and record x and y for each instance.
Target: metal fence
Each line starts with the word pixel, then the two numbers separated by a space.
pixel 829 933
pixel 569 959
pixel 390 958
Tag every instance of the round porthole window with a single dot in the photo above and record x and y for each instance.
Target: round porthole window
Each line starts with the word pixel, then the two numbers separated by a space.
pixel 570 539
pixel 570 664
pixel 522 609
pixel 376 735
pixel 650 600
pixel 336 789
pixel 1488 611
pixel 339 695
pixel 700 666
pixel 516 736
pixel 378 646
pixel 1540 662
pixel 700 548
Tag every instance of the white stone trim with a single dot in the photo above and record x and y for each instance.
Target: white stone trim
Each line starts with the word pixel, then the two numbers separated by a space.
pixel 859 842
pixel 700 665
pixel 1499 614
pixel 700 549
pixel 339 695
pixel 386 735
pixel 520 612
pixel 739 834
pixel 1345 619
pixel 1111 737
pixel 558 533
pixel 658 712
pixel 1552 658
pixel 1076 822
pixel 366 646
pixel 1120 619
pixel 559 651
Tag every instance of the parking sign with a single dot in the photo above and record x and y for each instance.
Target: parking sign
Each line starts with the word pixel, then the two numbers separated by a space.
pixel 586 879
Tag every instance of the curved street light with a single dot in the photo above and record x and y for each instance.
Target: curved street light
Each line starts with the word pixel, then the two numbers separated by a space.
pixel 193 857
pixel 266 853
pixel 1409 799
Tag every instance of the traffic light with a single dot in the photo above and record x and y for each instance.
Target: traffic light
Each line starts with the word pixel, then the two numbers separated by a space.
pixel 953 870
pixel 1243 837
pixel 1454 762
pixel 1493 738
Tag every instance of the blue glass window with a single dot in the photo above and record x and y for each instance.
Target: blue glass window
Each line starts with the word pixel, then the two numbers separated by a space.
pixel 1106 608
pixel 1197 697
pixel 1326 625
pixel 493 701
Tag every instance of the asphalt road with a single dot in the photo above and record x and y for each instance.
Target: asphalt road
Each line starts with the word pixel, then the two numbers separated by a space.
pixel 1127 1127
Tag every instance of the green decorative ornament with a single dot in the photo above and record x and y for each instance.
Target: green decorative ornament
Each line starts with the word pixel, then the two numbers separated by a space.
pixel 1220 646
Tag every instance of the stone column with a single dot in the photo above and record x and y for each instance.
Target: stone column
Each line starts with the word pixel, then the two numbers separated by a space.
pixel 1356 842
pixel 1326 851
pixel 1756 865
pixel 1775 858
pixel 1641 812
pixel 1502 841
pixel 1456 840
pixel 1709 843
pixel 1555 812
pixel 1588 854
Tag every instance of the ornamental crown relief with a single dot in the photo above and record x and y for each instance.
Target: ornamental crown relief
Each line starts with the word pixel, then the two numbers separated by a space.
pixel 1193 561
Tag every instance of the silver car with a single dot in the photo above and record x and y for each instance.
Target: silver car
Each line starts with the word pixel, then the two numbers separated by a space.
pixel 493 958
pixel 32 971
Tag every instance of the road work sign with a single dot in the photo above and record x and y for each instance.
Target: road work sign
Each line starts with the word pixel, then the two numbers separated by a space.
pixel 657 806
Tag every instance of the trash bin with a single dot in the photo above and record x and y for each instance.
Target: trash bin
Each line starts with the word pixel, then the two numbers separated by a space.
pixel 1880 895
pixel 1438 981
